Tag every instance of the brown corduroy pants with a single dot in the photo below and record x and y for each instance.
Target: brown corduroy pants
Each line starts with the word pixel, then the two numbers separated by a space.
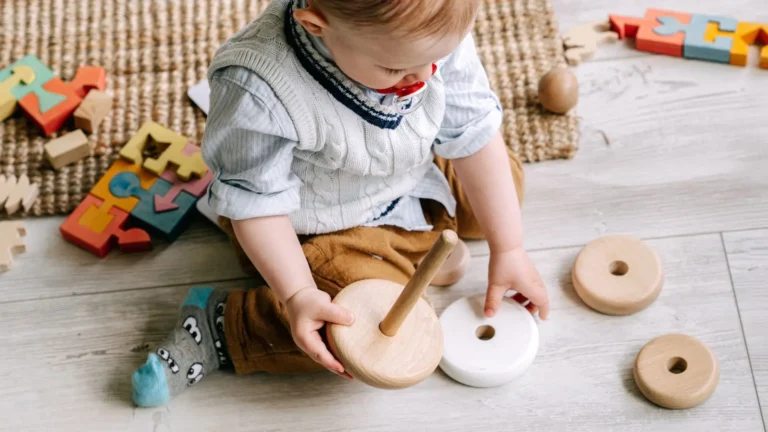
pixel 256 325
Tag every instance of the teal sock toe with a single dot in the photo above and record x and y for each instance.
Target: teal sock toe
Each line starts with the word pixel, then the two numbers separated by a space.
pixel 150 386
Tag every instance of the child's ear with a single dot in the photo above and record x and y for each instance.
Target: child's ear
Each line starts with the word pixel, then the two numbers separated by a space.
pixel 312 21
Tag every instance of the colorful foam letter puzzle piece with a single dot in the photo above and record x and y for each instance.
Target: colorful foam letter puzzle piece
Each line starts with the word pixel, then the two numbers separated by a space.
pixel 194 187
pixel 89 78
pixel 90 229
pixel 129 192
pixel 20 75
pixel 643 30
pixel 168 224
pixel 42 74
pixel 746 34
pixel 695 45
pixel 51 119
pixel 102 189
pixel 11 242
pixel 152 134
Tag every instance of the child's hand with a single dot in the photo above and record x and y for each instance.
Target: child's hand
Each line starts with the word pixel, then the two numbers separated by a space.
pixel 513 270
pixel 308 310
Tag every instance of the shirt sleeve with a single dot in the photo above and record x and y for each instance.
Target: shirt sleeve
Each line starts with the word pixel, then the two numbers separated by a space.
pixel 248 144
pixel 473 113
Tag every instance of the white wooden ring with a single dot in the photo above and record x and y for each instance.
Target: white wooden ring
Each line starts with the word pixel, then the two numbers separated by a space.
pixel 487 352
pixel 617 275
pixel 676 371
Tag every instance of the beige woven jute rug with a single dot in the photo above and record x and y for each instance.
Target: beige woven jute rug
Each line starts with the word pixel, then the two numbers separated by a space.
pixel 154 50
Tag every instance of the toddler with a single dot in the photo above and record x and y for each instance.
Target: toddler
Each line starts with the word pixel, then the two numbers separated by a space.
pixel 343 136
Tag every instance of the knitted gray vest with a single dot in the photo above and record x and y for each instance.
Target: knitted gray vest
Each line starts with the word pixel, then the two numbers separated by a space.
pixel 354 154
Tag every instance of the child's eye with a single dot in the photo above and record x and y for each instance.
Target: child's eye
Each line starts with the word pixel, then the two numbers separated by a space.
pixel 394 71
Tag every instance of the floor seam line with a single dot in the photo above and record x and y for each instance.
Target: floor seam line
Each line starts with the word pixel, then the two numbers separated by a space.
pixel 743 332
pixel 86 294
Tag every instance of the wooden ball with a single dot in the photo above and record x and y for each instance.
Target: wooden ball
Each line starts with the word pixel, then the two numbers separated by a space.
pixel 370 356
pixel 676 371
pixel 559 90
pixel 454 267
pixel 617 275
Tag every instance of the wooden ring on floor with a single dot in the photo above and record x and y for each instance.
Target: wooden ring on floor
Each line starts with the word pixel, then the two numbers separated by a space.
pixel 454 267
pixel 370 356
pixel 487 352
pixel 617 275
pixel 676 371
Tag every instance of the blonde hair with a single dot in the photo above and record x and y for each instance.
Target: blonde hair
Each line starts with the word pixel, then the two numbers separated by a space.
pixel 416 18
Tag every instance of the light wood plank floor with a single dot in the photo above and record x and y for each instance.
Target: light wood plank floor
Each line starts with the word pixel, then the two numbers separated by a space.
pixel 685 169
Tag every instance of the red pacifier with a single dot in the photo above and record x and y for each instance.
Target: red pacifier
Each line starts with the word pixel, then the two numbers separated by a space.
pixel 404 97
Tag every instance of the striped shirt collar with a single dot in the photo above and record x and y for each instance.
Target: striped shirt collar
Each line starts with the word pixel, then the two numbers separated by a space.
pixel 315 57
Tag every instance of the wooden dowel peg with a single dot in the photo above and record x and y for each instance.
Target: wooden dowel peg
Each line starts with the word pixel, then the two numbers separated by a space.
pixel 419 282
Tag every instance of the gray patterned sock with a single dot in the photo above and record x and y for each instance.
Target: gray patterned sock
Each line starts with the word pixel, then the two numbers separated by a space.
pixel 194 349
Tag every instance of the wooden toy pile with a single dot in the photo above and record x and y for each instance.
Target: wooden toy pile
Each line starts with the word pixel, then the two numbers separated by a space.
pixel 153 187
pixel 694 36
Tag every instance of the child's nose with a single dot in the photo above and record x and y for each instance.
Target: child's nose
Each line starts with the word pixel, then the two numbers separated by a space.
pixel 423 74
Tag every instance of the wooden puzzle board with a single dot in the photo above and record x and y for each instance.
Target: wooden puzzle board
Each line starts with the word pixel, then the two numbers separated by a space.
pixel 154 50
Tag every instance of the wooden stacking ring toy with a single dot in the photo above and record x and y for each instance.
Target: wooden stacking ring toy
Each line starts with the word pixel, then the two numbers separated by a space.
pixel 396 340
pixel 676 371
pixel 487 352
pixel 617 275
pixel 454 267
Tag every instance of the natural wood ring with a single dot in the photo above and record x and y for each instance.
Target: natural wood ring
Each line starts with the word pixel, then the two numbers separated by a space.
pixel 370 356
pixel 617 275
pixel 454 267
pixel 676 371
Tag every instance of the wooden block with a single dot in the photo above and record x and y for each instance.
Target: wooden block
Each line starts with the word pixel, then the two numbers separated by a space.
pixel 676 371
pixel 581 42
pixel 696 45
pixel 54 118
pixel 92 110
pixel 617 275
pixel 89 78
pixel 746 34
pixel 128 203
pixel 67 149
pixel 100 241
pixel 168 224
pixel 11 242
pixel 152 134
pixel 17 193
pixel 42 74
pixel 20 75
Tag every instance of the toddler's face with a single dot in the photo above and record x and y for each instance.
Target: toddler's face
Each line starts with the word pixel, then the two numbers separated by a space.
pixel 381 62
pixel 377 58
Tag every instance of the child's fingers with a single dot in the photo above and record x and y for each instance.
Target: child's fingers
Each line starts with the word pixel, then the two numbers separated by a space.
pixel 538 296
pixel 493 299
pixel 316 349
pixel 336 314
